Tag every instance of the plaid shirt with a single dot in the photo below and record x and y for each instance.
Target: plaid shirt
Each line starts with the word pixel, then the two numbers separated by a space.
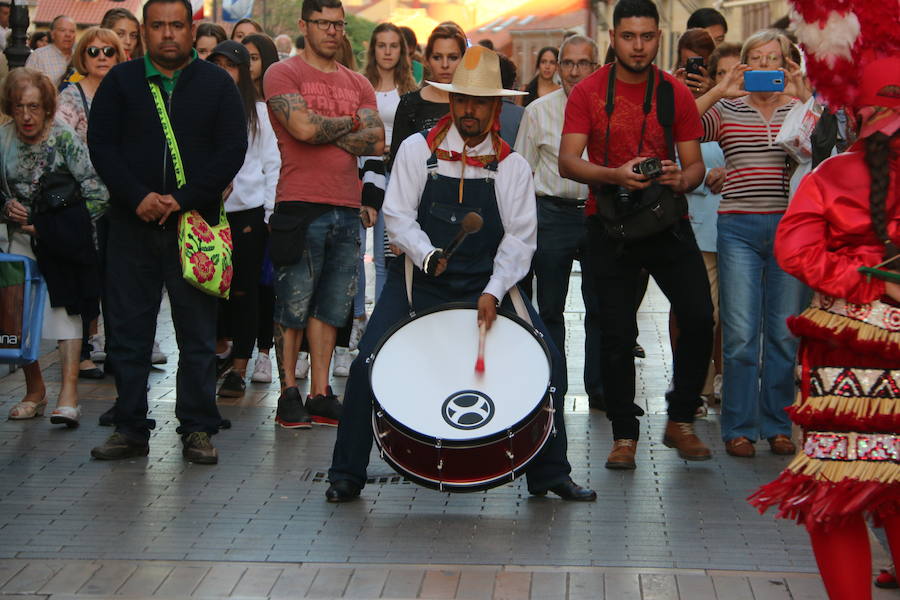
pixel 50 61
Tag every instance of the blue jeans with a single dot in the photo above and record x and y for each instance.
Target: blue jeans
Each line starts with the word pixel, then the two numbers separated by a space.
pixel 756 297
pixel 559 240
pixel 322 283
pixel 359 302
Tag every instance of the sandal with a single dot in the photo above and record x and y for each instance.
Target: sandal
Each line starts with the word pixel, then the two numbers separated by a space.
pixel 27 410
pixel 66 415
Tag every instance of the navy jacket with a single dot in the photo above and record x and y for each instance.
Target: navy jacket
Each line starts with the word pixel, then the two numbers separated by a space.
pixel 129 151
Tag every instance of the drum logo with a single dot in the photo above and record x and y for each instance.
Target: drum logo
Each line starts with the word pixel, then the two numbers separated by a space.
pixel 468 409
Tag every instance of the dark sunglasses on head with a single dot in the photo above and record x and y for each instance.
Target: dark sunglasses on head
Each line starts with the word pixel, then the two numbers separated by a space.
pixel 94 51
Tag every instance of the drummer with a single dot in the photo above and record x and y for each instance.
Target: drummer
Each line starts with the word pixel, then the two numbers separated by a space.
pixel 459 164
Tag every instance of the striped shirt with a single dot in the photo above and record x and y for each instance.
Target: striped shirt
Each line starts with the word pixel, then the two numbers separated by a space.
pixel 756 180
pixel 538 141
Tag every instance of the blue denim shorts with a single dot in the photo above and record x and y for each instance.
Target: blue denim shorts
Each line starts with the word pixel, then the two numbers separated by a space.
pixel 322 284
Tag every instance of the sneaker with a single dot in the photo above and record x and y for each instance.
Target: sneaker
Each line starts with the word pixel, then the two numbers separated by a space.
pixel 301 371
pixel 262 370
pixel 233 386
pixel 158 357
pixel 198 448
pixel 357 331
pixel 97 342
pixel 291 414
pixel 324 409
pixel 342 360
pixel 118 446
pixel 223 362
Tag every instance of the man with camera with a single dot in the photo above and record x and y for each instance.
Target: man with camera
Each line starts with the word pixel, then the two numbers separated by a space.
pixel 631 117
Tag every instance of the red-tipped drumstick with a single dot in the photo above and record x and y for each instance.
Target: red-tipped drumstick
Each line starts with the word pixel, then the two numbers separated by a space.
pixel 479 362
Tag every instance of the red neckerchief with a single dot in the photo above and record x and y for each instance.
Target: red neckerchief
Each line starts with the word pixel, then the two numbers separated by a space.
pixel 440 130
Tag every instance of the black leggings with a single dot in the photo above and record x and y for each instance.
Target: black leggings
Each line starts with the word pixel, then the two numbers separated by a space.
pixel 238 316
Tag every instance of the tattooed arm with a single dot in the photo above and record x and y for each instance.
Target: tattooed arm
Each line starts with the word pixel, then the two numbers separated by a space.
pixel 307 126
pixel 369 140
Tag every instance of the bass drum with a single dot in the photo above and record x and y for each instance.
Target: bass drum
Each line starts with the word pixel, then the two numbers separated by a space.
pixel 446 426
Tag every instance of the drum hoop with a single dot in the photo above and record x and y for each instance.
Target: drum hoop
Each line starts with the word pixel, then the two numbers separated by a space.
pixel 546 400
pixel 457 487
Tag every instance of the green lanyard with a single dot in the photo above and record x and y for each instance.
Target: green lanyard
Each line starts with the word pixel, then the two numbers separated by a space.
pixel 180 179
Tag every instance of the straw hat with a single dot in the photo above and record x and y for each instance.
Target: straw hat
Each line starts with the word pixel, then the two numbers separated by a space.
pixel 478 75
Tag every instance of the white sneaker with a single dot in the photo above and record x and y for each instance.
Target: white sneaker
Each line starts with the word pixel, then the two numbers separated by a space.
pixel 342 360
pixel 158 357
pixel 98 354
pixel 301 371
pixel 262 370
pixel 357 331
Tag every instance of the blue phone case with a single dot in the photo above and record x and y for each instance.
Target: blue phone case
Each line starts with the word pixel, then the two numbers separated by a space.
pixel 764 81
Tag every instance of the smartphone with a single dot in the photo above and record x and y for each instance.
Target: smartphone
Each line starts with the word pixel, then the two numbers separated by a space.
pixel 693 65
pixel 764 81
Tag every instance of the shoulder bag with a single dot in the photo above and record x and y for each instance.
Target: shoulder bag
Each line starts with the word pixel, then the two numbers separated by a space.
pixel 629 216
pixel 205 251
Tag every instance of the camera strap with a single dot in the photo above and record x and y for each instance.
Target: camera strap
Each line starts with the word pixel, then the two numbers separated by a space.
pixel 610 106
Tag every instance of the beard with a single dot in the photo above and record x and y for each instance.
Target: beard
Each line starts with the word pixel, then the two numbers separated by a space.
pixel 171 61
pixel 631 67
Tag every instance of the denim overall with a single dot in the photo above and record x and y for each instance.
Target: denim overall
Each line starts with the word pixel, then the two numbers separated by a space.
pixel 440 214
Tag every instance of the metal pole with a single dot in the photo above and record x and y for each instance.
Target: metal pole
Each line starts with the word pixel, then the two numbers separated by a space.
pixel 17 49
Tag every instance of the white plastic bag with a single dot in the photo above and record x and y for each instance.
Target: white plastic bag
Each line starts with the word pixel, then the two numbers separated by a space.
pixel 795 133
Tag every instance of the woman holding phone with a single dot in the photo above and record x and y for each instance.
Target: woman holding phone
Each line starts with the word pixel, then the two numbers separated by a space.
pixel 755 295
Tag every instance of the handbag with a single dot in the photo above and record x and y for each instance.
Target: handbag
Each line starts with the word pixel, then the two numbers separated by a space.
pixel 57 189
pixel 204 250
pixel 629 216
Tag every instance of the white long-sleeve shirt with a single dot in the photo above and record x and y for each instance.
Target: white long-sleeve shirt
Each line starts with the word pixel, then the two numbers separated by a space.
pixel 254 185
pixel 514 189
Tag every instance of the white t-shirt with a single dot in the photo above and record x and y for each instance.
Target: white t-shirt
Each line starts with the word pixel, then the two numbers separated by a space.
pixel 387 107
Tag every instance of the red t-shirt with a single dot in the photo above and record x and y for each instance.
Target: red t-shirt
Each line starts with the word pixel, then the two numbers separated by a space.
pixel 320 173
pixel 586 114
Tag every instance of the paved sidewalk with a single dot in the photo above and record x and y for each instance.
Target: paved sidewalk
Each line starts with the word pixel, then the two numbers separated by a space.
pixel 257 524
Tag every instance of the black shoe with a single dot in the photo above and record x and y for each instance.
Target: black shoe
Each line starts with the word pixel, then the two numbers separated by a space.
pixel 291 413
pixel 325 409
pixel 233 386
pixel 342 490
pixel 108 419
pixel 198 448
pixel 118 446
pixel 94 373
pixel 569 490
pixel 638 351
pixel 597 402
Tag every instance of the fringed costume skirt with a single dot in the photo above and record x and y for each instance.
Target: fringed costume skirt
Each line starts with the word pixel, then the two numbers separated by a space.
pixel 848 406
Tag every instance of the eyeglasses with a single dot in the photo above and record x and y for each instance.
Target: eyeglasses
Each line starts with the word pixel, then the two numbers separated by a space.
pixel 761 59
pixel 94 51
pixel 581 64
pixel 325 24
pixel 32 108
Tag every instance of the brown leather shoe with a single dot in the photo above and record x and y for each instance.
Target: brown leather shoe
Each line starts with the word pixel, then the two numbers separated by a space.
pixel 622 455
pixel 782 444
pixel 681 436
pixel 740 447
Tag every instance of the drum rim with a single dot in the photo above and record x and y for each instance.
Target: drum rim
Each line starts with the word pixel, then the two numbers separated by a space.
pixel 528 327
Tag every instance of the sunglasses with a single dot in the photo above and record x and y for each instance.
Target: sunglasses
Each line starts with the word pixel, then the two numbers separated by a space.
pixel 94 51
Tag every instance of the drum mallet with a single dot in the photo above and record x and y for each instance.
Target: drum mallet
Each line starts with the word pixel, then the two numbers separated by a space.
pixel 471 223
pixel 482 333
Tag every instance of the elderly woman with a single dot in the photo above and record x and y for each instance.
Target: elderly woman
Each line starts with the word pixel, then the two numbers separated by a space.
pixel 38 153
pixel 755 295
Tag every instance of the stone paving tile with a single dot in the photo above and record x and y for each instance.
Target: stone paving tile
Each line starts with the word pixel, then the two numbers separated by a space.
pixel 265 503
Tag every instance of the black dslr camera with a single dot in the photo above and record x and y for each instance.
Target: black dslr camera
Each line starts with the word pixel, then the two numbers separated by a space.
pixel 650 167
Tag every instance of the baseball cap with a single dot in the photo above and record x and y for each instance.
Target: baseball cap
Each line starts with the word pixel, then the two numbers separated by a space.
pixel 233 51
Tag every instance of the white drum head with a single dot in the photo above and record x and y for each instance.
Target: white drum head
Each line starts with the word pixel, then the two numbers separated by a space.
pixel 424 375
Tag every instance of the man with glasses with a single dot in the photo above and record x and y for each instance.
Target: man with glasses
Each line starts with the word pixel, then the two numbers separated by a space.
pixel 560 207
pixel 324 116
